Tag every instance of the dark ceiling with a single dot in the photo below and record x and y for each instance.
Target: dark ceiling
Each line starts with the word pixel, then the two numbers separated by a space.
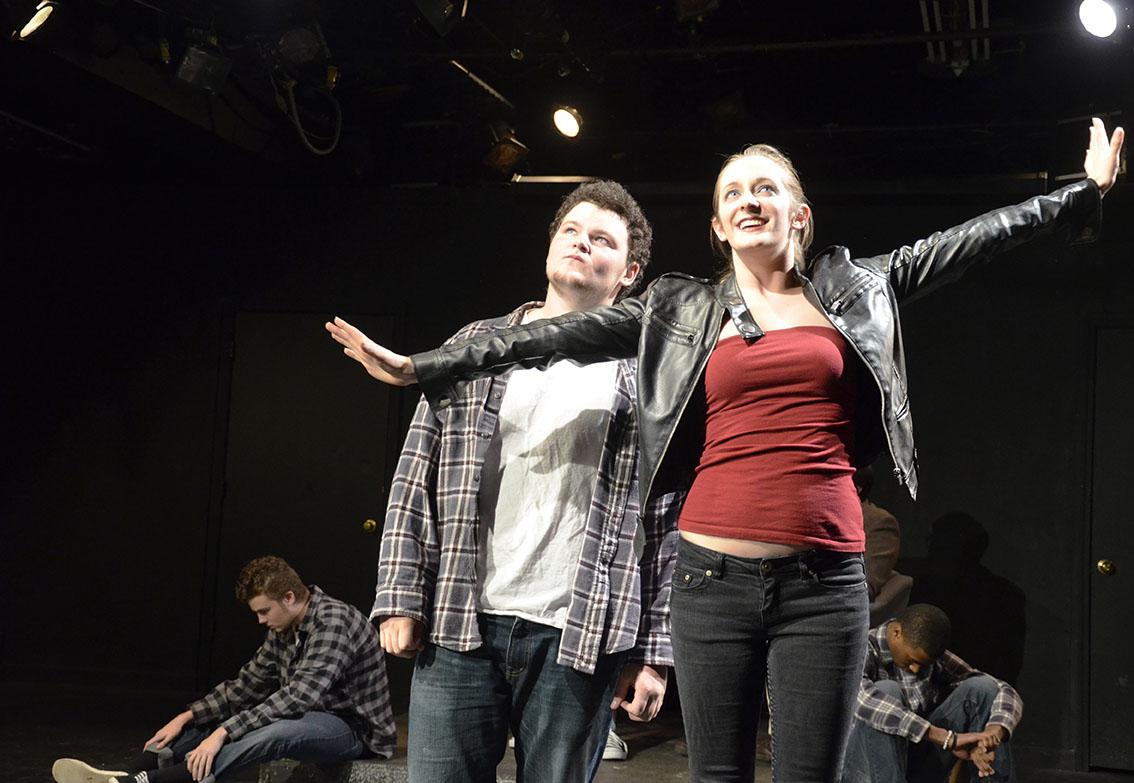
pixel 852 90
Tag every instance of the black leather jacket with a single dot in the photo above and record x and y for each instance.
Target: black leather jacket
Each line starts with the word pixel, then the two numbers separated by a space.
pixel 673 327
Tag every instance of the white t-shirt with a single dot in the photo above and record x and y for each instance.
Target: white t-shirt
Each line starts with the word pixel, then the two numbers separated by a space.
pixel 536 488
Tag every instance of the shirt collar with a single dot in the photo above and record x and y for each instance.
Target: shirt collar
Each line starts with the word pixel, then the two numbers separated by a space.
pixel 307 624
pixel 884 653
pixel 516 317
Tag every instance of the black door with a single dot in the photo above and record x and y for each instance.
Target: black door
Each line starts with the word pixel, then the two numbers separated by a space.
pixel 310 443
pixel 1112 553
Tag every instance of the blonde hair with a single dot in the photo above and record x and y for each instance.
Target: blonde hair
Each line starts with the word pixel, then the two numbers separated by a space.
pixel 801 241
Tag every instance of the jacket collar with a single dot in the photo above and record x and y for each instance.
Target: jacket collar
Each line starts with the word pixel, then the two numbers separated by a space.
pixel 728 295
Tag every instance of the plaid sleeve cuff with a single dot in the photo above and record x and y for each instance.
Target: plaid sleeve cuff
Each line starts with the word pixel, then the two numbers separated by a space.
pixel 1004 717
pixel 400 602
pixel 653 649
pixel 913 727
pixel 239 725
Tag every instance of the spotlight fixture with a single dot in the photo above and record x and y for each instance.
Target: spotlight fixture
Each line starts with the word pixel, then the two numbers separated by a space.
pixel 507 153
pixel 568 121
pixel 1098 17
pixel 42 12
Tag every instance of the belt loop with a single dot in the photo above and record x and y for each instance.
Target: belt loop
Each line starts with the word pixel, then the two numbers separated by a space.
pixel 719 566
pixel 805 569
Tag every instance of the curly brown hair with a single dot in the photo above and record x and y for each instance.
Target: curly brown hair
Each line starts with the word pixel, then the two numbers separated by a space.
pixel 609 195
pixel 270 576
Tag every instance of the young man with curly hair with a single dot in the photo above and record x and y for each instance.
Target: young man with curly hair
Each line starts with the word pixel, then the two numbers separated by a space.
pixel 515 562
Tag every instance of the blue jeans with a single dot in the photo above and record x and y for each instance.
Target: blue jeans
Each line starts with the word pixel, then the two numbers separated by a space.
pixel 314 737
pixel 463 703
pixel 877 757
pixel 797 624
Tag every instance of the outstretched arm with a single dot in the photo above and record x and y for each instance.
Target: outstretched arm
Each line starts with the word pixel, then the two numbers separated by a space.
pixel 380 362
pixel 1072 212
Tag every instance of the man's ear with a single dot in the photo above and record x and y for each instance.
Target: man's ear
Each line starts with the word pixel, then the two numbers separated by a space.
pixel 633 271
pixel 288 598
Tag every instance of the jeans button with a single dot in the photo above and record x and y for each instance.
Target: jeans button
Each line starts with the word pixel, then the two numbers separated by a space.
pixel 766 567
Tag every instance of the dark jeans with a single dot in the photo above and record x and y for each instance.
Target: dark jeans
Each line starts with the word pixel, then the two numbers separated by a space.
pixel 877 757
pixel 463 703
pixel 314 737
pixel 798 623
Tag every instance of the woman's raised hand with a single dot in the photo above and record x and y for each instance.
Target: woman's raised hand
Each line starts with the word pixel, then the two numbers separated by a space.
pixel 1101 162
pixel 381 363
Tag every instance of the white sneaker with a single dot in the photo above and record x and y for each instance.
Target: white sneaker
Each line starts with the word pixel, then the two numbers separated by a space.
pixel 615 749
pixel 75 771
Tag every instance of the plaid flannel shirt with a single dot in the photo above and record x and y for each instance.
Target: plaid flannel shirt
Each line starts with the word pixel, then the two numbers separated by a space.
pixel 331 663
pixel 427 569
pixel 921 692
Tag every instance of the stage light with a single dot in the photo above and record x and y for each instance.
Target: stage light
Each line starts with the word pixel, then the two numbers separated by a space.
pixel 1098 17
pixel 42 12
pixel 568 121
pixel 507 153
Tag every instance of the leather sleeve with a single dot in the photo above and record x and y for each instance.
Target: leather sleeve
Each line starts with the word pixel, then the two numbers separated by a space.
pixel 1072 213
pixel 584 337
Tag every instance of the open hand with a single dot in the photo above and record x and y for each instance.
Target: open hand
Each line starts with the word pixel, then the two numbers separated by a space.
pixel 169 732
pixel 381 363
pixel 1103 155
pixel 200 759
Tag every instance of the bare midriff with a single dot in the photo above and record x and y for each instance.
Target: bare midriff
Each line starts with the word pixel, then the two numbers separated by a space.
pixel 739 547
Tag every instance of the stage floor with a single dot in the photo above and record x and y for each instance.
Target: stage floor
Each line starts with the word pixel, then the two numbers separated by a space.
pixel 39 724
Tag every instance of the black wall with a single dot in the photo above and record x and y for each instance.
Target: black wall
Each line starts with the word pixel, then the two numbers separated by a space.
pixel 117 316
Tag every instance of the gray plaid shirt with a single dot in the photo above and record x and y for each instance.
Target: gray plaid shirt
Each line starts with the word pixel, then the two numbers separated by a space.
pixel 427 569
pixel 331 663
pixel 921 692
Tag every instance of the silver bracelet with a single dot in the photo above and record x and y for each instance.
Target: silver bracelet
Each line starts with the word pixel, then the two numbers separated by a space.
pixel 950 740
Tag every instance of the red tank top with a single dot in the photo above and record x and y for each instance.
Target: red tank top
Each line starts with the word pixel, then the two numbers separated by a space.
pixel 778 442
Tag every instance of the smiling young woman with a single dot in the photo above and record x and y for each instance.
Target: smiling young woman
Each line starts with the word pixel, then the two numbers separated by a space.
pixel 759 395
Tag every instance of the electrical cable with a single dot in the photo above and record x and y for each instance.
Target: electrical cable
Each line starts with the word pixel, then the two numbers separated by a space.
pixel 303 135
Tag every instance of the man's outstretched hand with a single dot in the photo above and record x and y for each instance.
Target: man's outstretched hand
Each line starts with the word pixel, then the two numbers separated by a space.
pixel 381 363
